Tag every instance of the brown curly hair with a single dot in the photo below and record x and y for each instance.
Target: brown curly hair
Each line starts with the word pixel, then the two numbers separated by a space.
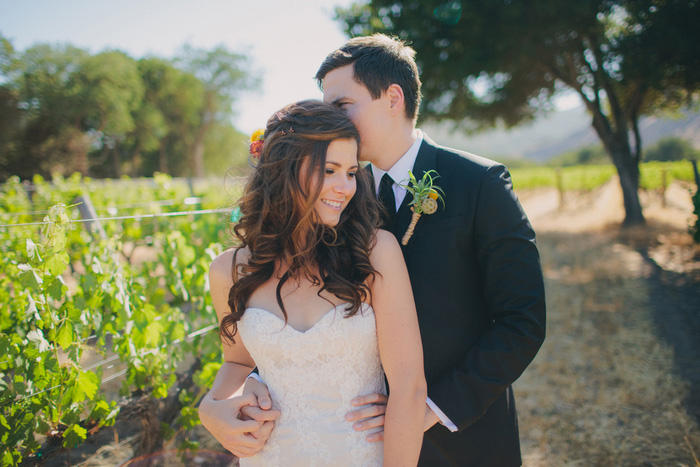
pixel 279 222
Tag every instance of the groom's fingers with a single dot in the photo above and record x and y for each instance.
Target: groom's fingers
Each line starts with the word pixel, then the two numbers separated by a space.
pixel 371 411
pixel 375 437
pixel 370 399
pixel 369 423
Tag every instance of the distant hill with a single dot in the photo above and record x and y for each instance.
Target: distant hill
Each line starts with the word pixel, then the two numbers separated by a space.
pixel 556 133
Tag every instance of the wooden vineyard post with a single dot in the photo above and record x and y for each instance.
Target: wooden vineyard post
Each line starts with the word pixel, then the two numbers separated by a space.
pixel 664 177
pixel 560 189
pixel 87 211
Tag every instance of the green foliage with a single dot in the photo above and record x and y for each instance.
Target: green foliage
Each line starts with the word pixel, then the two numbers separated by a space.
pixel 223 75
pixel 671 149
pixel 65 294
pixel 63 110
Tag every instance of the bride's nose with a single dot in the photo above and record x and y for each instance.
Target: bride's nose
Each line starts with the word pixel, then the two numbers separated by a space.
pixel 344 186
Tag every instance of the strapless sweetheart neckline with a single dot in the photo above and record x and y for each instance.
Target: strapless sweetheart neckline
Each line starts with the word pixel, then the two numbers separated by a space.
pixel 287 325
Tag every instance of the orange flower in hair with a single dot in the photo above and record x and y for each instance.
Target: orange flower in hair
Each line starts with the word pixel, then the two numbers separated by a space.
pixel 256 143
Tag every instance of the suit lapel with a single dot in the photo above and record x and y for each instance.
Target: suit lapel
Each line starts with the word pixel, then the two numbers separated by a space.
pixel 425 161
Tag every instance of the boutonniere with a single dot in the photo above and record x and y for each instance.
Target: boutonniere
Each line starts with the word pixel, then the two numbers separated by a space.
pixel 425 199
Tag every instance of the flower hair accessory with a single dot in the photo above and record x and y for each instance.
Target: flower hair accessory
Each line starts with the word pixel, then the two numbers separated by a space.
pixel 425 199
pixel 256 143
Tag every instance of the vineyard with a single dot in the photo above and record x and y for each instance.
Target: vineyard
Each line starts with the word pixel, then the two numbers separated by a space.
pixel 589 177
pixel 105 305
pixel 127 294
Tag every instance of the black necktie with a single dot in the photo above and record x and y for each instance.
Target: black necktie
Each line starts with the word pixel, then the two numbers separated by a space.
pixel 386 197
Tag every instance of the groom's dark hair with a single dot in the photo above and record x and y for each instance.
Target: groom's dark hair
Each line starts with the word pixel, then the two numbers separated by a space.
pixel 378 62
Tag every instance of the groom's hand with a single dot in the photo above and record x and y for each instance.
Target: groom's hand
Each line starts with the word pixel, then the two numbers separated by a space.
pixel 373 416
pixel 370 417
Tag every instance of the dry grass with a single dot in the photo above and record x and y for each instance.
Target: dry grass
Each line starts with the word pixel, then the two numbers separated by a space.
pixel 602 390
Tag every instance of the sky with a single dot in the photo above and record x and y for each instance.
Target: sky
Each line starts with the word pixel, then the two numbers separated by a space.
pixel 286 40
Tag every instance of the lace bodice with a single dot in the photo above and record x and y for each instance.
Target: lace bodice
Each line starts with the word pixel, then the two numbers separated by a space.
pixel 312 377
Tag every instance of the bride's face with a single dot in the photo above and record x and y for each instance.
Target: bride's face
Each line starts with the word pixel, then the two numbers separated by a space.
pixel 339 183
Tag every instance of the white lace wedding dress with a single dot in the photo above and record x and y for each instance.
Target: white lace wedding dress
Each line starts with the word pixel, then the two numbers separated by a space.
pixel 312 377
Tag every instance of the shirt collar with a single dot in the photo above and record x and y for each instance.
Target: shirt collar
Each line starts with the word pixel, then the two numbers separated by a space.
pixel 399 171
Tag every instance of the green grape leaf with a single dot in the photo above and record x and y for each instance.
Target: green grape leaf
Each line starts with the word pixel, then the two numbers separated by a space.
pixel 56 288
pixel 74 435
pixel 8 459
pixel 57 263
pixel 64 338
pixel 152 333
pixel 84 387
pixel 28 277
pixel 104 413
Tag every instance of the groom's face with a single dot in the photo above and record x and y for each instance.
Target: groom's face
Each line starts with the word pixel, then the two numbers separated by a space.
pixel 370 116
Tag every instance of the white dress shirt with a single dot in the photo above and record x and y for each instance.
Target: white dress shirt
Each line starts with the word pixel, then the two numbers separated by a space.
pixel 399 171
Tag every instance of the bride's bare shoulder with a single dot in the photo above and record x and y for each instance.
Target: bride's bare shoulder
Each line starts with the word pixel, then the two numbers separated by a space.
pixel 221 268
pixel 386 248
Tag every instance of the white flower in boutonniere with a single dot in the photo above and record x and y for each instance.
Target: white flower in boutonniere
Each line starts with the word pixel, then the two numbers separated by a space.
pixel 425 199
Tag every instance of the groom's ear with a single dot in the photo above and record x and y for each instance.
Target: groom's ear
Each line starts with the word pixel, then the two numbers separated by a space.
pixel 396 99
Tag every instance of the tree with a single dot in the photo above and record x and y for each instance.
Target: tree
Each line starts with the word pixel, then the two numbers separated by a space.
pixel 492 60
pixel 110 91
pixel 41 108
pixel 224 75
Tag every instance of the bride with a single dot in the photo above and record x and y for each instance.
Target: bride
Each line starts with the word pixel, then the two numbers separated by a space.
pixel 318 299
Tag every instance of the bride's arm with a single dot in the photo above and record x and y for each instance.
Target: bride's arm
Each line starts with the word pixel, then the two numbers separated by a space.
pixel 238 362
pixel 220 408
pixel 400 351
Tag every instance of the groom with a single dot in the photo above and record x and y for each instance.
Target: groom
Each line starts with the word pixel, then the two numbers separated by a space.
pixel 474 267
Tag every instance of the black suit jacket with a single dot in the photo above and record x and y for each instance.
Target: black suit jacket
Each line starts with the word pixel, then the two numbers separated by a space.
pixel 479 294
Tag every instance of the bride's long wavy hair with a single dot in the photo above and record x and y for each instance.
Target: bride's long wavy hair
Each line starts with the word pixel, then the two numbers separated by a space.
pixel 280 226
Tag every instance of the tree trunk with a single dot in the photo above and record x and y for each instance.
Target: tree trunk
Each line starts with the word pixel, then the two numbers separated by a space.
pixel 628 171
pixel 617 145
